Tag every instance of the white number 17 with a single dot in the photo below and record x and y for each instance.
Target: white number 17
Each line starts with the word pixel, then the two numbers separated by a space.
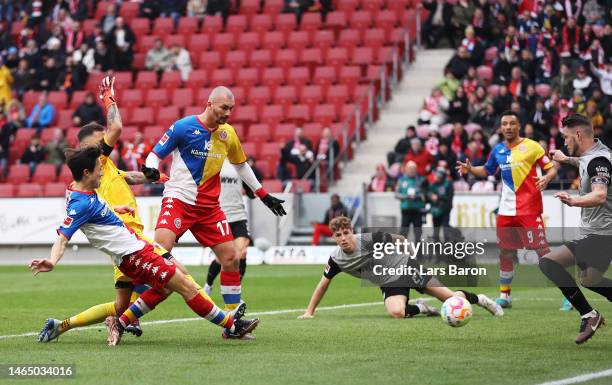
pixel 224 231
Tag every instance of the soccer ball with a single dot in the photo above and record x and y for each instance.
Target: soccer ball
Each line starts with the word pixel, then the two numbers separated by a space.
pixel 262 244
pixel 456 311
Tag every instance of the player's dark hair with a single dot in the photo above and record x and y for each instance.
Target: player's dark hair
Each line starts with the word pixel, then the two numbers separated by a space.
pixel 576 120
pixel 340 223
pixel 510 113
pixel 88 130
pixel 80 160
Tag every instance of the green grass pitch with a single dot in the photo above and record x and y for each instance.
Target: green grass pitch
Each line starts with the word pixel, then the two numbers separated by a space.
pixel 533 343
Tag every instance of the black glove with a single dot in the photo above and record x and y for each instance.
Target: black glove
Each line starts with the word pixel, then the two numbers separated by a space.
pixel 248 191
pixel 274 204
pixel 151 174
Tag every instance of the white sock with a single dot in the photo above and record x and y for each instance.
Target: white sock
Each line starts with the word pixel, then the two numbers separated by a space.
pixel 592 313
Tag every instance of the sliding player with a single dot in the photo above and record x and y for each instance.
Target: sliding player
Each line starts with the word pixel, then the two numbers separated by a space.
pixel 519 219
pixel 232 205
pixel 354 256
pixel 134 257
pixel 199 144
pixel 591 251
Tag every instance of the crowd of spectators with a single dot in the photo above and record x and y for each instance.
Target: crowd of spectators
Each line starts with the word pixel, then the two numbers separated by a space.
pixel 540 59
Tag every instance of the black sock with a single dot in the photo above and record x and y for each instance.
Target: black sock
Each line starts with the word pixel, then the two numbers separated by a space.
pixel 603 287
pixel 242 268
pixel 213 271
pixel 471 297
pixel 566 283
pixel 412 310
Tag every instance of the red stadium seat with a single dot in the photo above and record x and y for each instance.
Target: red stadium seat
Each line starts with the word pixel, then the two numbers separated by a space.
pixel 311 22
pixel 188 25
pixel 374 37
pixel 285 23
pixel 325 114
pixel 386 19
pixel 65 175
pixel 285 96
pixel 7 190
pixel 18 173
pixel 273 41
pixel 223 42
pixel 249 7
pixel 71 135
pixel 249 41
pixel 337 95
pixel 146 80
pixel 311 95
pixel 78 97
pixel 240 130
pixel 286 58
pixel 212 25
pixel 59 99
pixel 63 118
pixel 236 24
pixel 182 97
pixel 298 40
pixel 153 134
pixel 170 80
pixel 250 149
pixel 324 76
pixel 299 113
pixel 272 185
pixel 363 56
pixel 131 98
pixel 47 135
pixel 202 94
pixel 139 61
pixel 209 61
pixel 349 39
pixel 142 116
pixel 193 110
pixel 246 114
pixel 101 8
pixel 248 77
pixel 129 132
pixel 27 190
pixel 361 20
pixel 284 132
pixel 337 57
pixel 259 96
pixel 270 151
pixel 156 98
pixel 222 77
pixel 300 185
pixel 30 98
pixel 324 39
pixel 166 116
pixel 272 114
pixel 140 26
pixel 273 77
pixel 163 26
pixel 350 75
pixel 171 40
pixel 311 56
pixel 23 136
pixel 44 173
pixel 261 23
pixel 197 44
pixel 235 60
pixel 267 168
pixel 372 6
pixel 313 131
pixel 197 79
pixel 146 43
pixel 123 80
pixel 260 59
pixel 259 133
pixel 298 76
pixel 88 26
pixel 336 20
pixel 273 7
pixel 385 55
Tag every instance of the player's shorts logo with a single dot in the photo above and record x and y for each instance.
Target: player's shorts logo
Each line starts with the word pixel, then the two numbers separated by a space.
pixel 177 223
pixel 223 135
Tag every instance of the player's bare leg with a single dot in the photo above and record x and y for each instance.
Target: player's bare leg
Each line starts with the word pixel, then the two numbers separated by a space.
pixel 506 274
pixel 397 306
pixel 166 239
pixel 436 289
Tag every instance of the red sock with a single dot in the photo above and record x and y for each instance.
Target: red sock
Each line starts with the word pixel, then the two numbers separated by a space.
pixel 207 309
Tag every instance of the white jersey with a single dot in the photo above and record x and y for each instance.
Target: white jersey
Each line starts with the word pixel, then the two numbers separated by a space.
pixel 231 199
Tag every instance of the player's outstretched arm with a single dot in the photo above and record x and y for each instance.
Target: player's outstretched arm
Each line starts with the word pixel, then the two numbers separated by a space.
pixel 596 197
pixel 106 93
pixel 139 177
pixel 467 168
pixel 560 157
pixel 248 176
pixel 57 252
pixel 316 298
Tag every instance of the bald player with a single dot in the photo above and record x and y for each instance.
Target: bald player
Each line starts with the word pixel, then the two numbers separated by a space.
pixel 199 144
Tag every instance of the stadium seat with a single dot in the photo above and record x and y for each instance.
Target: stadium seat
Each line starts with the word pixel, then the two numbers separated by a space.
pixel 260 59
pixel 298 40
pixel 284 132
pixel 313 131
pixel 131 98
pixel 236 24
pixel 361 20
pixel 163 26
pixel 259 96
pixel 18 173
pixel 259 133
pixel 178 39
pixel 249 7
pixel 249 42
pixel 372 6
pixel 261 23
pixel 386 19
pixel 272 114
pixel 267 168
pixel 239 95
pixel 337 95
pixel 311 56
pixel 47 135
pixel 337 57
pixel 270 151
pixel 139 61
pixel 153 134
pixel 212 25
pixel 311 22
pixel 30 98
pixel 145 43
pixel 182 97
pixel 350 76
pixel 142 116
pixel 324 76
pixel 285 23
pixel 246 114
pixel 71 135
pixel 101 8
pixel 298 76
pixel 78 97
pixel 274 40
pixel 273 7
pixel 88 26
pixel 188 25
pixel 7 190
pixel 349 39
pixel 63 118
pixel 203 93
pixel 485 73
pixel 325 114
pixel 324 39
pixel 140 26
pixel 146 80
pixel 336 20
pixel 311 95
pixel 241 130
pixel 385 56
pixel 156 98
pixel 223 42
pixel 250 149
pixel 170 80
pixel 128 133
pixel 209 61
pixel 299 114
pixel 286 58
pixel 65 176
pixel 285 96
pixel 273 77
pixel 128 11
pixel 166 116
pixel 59 99
pixel 222 77
pixel 44 173
pixel 272 185
pixel 23 136
pixel 247 77
pixel 374 37
pixel 363 56
pixel 235 60
pixel 26 190
pixel 198 44
pixel 300 185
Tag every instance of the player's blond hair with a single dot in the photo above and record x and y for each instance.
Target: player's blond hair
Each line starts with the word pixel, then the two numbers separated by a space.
pixel 340 223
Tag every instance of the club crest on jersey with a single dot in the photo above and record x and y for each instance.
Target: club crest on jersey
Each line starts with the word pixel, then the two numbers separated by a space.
pixel 223 135
pixel 67 221
pixel 164 139
pixel 177 223
pixel 546 159
pixel 522 148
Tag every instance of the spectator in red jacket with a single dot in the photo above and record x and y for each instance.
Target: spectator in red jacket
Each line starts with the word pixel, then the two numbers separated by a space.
pixel 337 209
pixel 420 156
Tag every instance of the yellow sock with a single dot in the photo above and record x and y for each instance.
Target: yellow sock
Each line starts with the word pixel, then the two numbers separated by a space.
pixel 134 296
pixel 90 316
pixel 189 277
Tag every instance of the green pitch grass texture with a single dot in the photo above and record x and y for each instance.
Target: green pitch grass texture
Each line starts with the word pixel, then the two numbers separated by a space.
pixel 533 343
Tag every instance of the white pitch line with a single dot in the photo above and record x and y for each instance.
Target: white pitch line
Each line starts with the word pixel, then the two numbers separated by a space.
pixel 177 320
pixel 581 378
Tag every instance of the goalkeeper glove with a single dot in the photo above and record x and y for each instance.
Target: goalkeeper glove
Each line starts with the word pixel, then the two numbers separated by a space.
pixel 274 204
pixel 106 91
pixel 153 174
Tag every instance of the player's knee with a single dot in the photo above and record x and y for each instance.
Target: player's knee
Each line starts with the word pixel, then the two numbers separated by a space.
pixel 590 280
pixel 458 294
pixel 396 312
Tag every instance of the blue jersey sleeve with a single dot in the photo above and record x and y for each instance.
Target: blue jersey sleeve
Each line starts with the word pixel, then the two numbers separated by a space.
pixel 491 165
pixel 168 142
pixel 78 213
